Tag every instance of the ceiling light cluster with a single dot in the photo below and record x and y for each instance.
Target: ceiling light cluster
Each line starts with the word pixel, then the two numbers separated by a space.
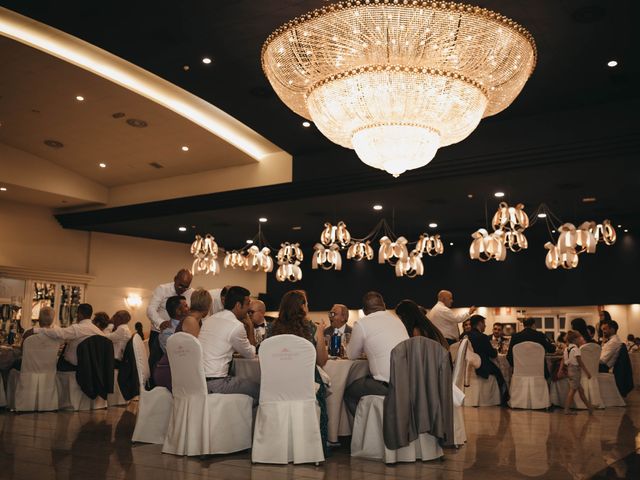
pixel 574 241
pixel 205 255
pixel 289 258
pixel 397 80
pixel 509 224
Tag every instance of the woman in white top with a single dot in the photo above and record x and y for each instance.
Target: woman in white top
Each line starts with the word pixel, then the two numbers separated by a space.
pixel 573 361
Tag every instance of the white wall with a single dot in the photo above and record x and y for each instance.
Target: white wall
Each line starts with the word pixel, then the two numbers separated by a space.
pixel 31 237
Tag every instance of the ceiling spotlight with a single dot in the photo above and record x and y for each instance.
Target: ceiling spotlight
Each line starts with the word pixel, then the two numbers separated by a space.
pixel 612 63
pixel 262 219
pixel 249 242
pixel 451 243
pixel 498 194
pixel 185 148
pixel 553 231
pixel 3 189
pixel 297 227
pixel 619 226
pixel 182 229
pixel 206 60
pixel 626 231
pixel 80 98
pixel 186 68
pixel 102 165
pixel 306 124
pixel 589 199
pixel 377 207
pixel 433 225
pixel 542 215
pixel 470 195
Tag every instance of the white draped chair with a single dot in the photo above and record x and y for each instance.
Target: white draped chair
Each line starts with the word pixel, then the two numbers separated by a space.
pixel 116 398
pixel 34 388
pixel 288 421
pixel 609 390
pixel 590 354
pixel 154 406
pixel 459 355
pixel 202 423
pixel 478 391
pixel 528 388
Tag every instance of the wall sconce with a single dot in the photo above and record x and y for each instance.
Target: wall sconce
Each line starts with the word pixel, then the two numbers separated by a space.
pixel 133 300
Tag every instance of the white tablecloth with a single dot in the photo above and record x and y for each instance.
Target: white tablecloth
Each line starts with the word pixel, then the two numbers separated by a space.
pixel 342 373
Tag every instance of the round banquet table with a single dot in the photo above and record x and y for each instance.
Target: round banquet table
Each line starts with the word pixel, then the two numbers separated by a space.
pixel 553 364
pixel 342 373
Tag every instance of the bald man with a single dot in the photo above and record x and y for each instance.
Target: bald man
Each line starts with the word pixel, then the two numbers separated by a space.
pixel 256 313
pixel 443 317
pixel 338 316
pixel 157 310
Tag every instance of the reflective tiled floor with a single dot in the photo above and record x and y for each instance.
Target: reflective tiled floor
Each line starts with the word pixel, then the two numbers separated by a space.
pixel 502 444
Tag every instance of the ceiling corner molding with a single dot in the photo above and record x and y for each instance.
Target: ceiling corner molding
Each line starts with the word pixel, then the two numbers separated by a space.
pixel 24 273
pixel 110 67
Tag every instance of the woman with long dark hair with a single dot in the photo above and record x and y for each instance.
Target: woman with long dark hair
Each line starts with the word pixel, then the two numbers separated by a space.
pixel 293 320
pixel 580 325
pixel 417 324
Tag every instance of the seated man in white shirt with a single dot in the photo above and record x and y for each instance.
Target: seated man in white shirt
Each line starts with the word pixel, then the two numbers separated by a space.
pixel 610 347
pixel 120 335
pixel 376 335
pixel 444 319
pixel 222 334
pixel 73 335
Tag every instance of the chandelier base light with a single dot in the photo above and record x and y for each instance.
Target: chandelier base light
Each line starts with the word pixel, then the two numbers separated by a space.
pixel 398 79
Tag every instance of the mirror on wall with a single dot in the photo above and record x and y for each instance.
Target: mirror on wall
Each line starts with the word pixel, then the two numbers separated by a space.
pixel 11 297
pixel 70 298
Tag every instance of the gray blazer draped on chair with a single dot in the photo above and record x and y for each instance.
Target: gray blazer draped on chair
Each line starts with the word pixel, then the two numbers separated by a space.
pixel 420 398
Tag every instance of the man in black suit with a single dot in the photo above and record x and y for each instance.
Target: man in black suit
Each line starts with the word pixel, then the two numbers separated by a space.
pixel 482 346
pixel 338 316
pixel 530 334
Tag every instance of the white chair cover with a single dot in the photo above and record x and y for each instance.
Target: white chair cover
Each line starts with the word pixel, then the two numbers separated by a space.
pixel 34 387
pixel 478 391
pixel 116 398
pixel 367 440
pixel 287 425
pixel 202 424
pixel 459 369
pixel 154 406
pixel 590 353
pixel 634 357
pixel 71 396
pixel 609 390
pixel 528 388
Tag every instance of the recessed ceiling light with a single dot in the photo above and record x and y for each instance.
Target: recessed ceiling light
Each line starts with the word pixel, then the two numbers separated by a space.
pixel 619 226
pixel 542 215
pixel 498 194
pixel 3 189
pixel 206 60
pixel 553 231
pixel 377 207
pixel 470 195
pixel 589 199
pixel 186 68
pixel 433 225
pixel 182 229
pixel 297 227
pixel 80 98
pixel 262 219
pixel 626 231
pixel 185 148
pixel 612 63
pixel 451 243
pixel 102 165
pixel 306 124
pixel 249 242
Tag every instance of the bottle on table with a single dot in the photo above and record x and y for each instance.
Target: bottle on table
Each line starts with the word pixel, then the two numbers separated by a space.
pixel 336 343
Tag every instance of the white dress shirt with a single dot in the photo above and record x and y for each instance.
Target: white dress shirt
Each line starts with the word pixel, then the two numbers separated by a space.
pixel 120 336
pixel 446 321
pixel 376 335
pixel 157 309
pixel 610 351
pixel 73 335
pixel 221 335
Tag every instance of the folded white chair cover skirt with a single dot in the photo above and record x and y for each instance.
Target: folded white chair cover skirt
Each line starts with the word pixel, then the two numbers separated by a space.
pixel 609 392
pixel 529 388
pixel 202 423
pixel 116 398
pixel 287 423
pixel 34 387
pixel 478 391
pixel 154 406
pixel 458 378
pixel 71 396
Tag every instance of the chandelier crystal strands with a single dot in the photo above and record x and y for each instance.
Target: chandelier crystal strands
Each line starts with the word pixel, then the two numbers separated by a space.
pixel 396 80
pixel 205 255
pixel 289 258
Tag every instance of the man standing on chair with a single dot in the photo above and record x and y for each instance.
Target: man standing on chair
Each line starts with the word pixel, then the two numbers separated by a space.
pixel 376 334
pixel 222 334
pixel 157 311
pixel 444 319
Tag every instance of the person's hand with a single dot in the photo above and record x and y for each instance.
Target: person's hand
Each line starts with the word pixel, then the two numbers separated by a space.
pixel 164 325
pixel 320 328
pixel 472 309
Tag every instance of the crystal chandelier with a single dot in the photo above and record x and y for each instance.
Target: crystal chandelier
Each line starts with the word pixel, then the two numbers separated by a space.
pixel 398 79
pixel 289 258
pixel 205 255
pixel 326 258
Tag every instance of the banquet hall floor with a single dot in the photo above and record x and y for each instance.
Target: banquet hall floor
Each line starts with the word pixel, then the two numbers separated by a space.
pixel 502 443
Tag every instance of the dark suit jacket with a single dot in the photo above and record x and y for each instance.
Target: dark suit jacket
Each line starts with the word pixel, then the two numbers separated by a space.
pixel 530 335
pixel 95 366
pixel 329 330
pixel 482 346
